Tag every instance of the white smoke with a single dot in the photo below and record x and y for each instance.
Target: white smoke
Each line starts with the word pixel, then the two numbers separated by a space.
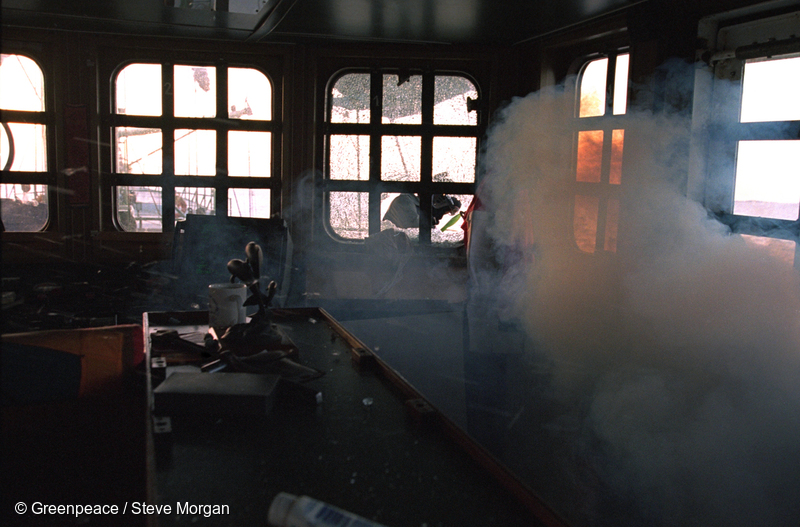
pixel 690 335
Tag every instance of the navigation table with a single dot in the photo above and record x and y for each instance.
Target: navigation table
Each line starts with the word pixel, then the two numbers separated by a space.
pixel 368 443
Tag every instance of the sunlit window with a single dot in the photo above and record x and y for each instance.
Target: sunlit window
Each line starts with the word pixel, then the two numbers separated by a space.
pixel 139 150
pixel 250 202
pixel 767 181
pixel 769 90
pixel 138 90
pixel 379 170
pixel 594 87
pixel 197 134
pixel 748 156
pixel 195 152
pixel 195 91
pixel 23 144
pixel 249 94
pixel 767 171
pixel 603 88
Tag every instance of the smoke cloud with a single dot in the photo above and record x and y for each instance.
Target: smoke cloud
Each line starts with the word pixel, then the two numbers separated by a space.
pixel 688 337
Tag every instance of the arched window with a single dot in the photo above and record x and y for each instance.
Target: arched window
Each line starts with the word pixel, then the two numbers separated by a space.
pixel 602 88
pixel 401 150
pixel 177 152
pixel 23 144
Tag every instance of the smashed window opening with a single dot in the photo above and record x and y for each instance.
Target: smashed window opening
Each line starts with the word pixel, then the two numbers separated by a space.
pixel 382 137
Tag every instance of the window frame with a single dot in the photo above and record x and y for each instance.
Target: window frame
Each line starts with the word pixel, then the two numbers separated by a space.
pixel 47 118
pixel 717 121
pixel 114 61
pixel 374 186
pixel 604 190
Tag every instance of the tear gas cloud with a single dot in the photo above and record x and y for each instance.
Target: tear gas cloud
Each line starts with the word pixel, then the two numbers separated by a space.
pixel 691 336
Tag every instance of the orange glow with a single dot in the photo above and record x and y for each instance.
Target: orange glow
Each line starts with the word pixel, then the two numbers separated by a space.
pixel 585 222
pixel 590 156
pixel 782 250
pixel 617 141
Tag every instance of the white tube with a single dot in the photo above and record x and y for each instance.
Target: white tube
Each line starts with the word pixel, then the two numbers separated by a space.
pixel 288 510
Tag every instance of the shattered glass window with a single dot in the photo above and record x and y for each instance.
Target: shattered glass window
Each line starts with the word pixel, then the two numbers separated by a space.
pixel 454 101
pixel 402 99
pixel 400 158
pixel 454 159
pixel 349 214
pixel 351 153
pixel 417 145
pixel 350 101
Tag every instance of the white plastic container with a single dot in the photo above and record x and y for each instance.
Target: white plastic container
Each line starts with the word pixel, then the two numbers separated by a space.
pixel 226 305
pixel 288 510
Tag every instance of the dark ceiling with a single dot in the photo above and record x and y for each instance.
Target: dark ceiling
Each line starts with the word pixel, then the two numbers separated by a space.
pixel 439 21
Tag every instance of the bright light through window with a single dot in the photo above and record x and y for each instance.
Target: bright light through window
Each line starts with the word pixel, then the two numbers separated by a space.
pixel 195 152
pixel 447 154
pixel 768 179
pixel 768 171
pixel 29 147
pixel 195 91
pixel 593 87
pixel 21 84
pixel 349 214
pixel 599 154
pixel 249 202
pixel 139 150
pixel 249 94
pixel 401 158
pixel 249 153
pixel 620 105
pixel 139 91
pixel 23 145
pixel 771 90
pixel 351 153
